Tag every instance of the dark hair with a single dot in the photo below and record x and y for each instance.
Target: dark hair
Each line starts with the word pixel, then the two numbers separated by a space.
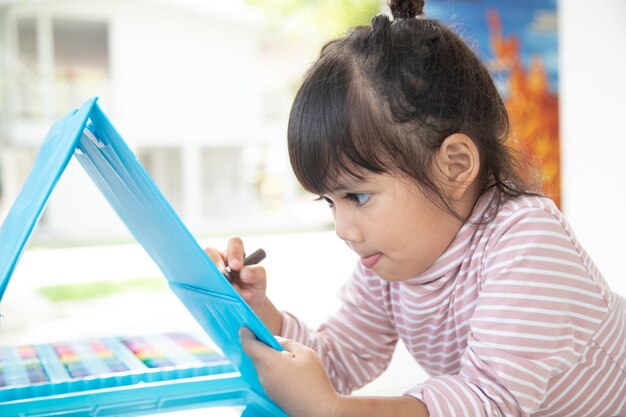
pixel 384 97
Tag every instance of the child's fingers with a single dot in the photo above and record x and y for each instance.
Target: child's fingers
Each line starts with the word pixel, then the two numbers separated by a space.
pixel 259 352
pixel 235 253
pixel 245 293
pixel 252 274
pixel 251 345
pixel 291 346
pixel 216 256
pixel 246 335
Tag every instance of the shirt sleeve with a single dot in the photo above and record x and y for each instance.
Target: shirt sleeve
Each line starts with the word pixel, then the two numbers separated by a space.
pixel 536 312
pixel 357 342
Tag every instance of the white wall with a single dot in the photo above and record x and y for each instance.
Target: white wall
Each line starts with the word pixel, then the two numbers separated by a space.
pixel 593 132
pixel 195 79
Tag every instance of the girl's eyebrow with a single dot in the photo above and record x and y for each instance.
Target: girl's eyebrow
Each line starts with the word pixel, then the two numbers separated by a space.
pixel 345 188
pixel 348 184
pixel 341 188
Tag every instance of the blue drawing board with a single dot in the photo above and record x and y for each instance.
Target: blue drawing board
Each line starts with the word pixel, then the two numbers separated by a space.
pixel 87 134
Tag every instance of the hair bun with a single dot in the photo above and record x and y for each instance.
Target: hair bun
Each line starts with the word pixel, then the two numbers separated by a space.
pixel 406 9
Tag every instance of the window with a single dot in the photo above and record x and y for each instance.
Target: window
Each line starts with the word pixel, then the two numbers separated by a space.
pixel 222 181
pixel 27 88
pixel 27 44
pixel 81 61
pixel 61 62
pixel 164 165
pixel 81 49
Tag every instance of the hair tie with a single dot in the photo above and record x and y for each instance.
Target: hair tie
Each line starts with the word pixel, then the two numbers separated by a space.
pixel 402 10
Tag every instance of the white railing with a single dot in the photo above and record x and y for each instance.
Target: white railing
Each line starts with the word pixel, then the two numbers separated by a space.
pixel 34 98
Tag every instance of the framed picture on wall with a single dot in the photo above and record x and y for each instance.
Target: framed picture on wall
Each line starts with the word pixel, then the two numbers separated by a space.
pixel 518 41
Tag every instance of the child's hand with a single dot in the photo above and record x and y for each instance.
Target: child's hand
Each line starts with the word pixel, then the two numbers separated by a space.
pixel 252 282
pixel 294 378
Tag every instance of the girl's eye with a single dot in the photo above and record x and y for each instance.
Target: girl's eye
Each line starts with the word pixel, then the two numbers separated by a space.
pixel 327 200
pixel 359 198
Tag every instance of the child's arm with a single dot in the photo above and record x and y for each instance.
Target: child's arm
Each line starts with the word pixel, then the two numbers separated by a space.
pixel 355 406
pixel 297 381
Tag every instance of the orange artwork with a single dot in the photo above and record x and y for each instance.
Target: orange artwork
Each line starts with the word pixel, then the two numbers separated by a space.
pixel 533 108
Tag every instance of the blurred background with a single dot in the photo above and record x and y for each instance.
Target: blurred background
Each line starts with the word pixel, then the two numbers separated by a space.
pixel 201 91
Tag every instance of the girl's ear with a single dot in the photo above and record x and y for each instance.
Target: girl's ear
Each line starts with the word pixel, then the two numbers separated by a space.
pixel 458 163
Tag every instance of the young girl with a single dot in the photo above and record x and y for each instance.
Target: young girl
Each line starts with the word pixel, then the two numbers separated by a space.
pixel 399 127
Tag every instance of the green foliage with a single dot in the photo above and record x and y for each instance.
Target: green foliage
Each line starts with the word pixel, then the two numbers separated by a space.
pixel 322 19
pixel 83 291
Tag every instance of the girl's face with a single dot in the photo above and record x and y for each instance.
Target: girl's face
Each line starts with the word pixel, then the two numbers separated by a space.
pixel 391 224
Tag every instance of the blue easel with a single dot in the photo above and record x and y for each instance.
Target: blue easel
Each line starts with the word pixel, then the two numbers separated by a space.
pixel 87 134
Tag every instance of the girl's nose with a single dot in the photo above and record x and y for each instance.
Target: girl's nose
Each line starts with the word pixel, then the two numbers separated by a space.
pixel 346 228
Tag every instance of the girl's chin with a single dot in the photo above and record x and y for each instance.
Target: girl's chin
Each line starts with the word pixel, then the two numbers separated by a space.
pixel 391 274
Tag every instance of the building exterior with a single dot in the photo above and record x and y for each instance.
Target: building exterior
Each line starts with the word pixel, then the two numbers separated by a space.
pixel 186 84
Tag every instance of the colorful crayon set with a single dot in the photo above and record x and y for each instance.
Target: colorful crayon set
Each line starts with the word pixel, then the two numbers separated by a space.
pixel 56 368
pixel 171 349
pixel 21 365
pixel 88 357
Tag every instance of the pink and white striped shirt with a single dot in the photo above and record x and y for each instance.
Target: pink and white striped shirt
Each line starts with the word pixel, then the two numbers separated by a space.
pixel 513 319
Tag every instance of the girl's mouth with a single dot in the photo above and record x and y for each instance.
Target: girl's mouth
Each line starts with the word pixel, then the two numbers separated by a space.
pixel 370 261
